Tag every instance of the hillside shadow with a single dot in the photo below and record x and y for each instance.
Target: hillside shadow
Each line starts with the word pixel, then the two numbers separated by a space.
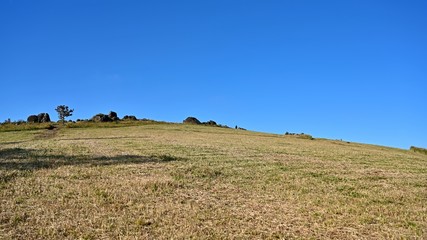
pixel 30 160
pixel 15 142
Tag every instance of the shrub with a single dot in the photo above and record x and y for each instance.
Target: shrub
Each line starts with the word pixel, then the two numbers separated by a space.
pixel 7 121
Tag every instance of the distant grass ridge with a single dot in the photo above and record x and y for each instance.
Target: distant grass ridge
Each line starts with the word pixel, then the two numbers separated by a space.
pixel 418 149
pixel 300 135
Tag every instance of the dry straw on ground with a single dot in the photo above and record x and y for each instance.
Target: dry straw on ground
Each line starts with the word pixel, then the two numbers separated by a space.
pixel 163 181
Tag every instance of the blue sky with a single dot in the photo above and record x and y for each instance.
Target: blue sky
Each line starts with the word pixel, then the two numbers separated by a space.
pixel 352 70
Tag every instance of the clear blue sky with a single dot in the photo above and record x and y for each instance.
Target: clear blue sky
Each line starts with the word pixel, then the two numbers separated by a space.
pixel 352 70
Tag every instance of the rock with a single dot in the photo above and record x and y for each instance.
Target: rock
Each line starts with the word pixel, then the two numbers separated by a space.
pixel 97 117
pixel 105 118
pixel 101 118
pixel 192 120
pixel 113 115
pixel 33 119
pixel 132 118
pixel 43 118
pixel 210 123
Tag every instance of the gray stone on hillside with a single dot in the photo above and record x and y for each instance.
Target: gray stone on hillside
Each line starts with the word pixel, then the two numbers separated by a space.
pixel 131 117
pixel 43 118
pixel 33 119
pixel 210 123
pixel 106 118
pixel 192 120
pixel 97 117
pixel 101 118
pixel 113 116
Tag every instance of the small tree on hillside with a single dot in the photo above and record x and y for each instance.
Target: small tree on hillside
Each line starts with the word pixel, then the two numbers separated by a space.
pixel 63 112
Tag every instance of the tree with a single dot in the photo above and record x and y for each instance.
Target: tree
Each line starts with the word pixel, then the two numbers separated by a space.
pixel 63 112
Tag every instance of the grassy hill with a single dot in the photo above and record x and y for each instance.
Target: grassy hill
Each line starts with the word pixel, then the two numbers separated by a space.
pixel 163 181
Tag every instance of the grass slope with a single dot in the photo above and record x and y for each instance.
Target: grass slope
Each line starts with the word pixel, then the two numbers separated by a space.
pixel 163 181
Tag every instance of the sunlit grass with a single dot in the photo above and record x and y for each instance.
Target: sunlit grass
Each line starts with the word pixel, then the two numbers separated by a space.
pixel 162 181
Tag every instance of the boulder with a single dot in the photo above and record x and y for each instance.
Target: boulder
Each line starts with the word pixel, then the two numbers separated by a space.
pixel 211 123
pixel 192 120
pixel 33 119
pixel 43 118
pixel 132 118
pixel 106 118
pixel 101 118
pixel 113 116
pixel 97 117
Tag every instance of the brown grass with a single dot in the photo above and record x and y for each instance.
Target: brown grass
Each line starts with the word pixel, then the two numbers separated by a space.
pixel 163 181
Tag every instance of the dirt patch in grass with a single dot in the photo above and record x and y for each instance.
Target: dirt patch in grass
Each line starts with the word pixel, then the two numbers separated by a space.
pixel 48 133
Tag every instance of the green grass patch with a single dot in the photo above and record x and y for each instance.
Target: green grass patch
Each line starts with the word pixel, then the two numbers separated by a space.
pixel 9 127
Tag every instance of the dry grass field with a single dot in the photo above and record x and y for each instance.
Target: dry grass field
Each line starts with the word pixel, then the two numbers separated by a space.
pixel 174 181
